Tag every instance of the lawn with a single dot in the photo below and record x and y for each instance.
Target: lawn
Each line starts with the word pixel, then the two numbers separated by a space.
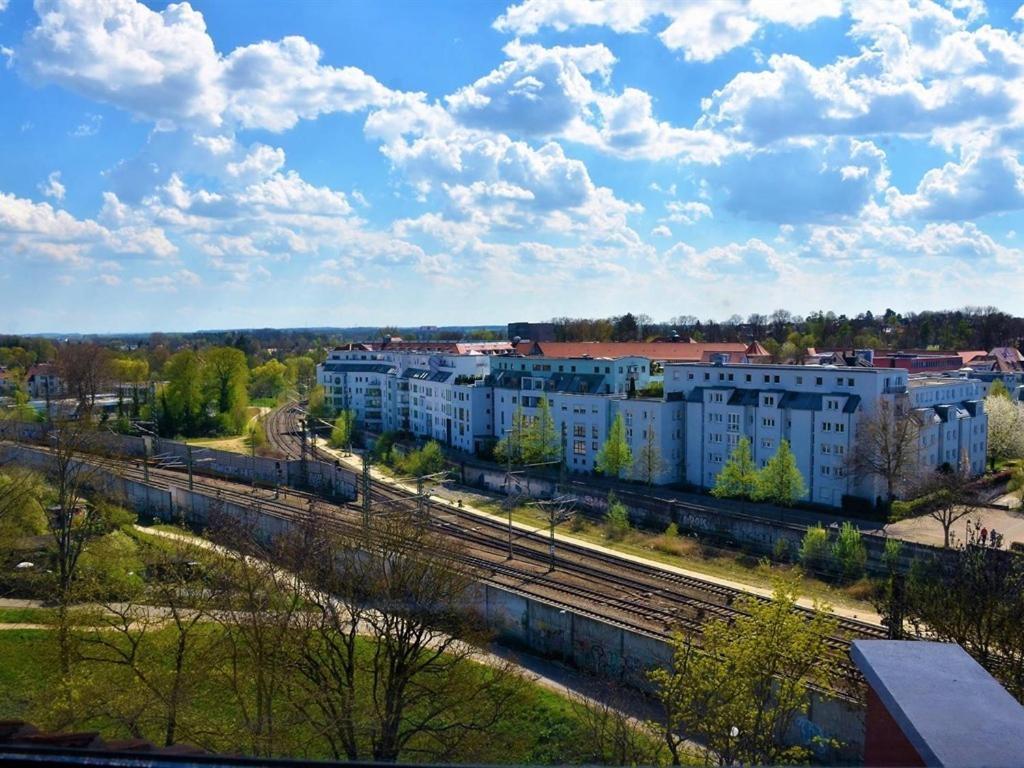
pixel 542 727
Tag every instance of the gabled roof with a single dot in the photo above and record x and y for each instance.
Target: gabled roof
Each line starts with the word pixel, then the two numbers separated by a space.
pixel 670 352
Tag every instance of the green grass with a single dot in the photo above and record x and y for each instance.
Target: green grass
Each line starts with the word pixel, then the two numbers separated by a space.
pixel 542 727
pixel 27 615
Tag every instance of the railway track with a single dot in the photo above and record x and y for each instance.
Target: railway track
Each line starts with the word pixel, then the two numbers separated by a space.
pixel 663 598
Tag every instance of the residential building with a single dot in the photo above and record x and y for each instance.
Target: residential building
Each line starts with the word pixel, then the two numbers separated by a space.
pixel 44 381
pixel 817 409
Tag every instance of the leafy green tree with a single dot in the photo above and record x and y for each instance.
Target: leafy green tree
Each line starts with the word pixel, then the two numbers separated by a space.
pixel 343 430
pixel 615 455
pixel 738 478
pixel 740 692
pixel 318 402
pixel 849 552
pixel 301 372
pixel 182 408
pixel 616 518
pixel 510 447
pixel 780 481
pixel 540 441
pixel 425 461
pixel 998 389
pixel 814 549
pixel 268 380
pixel 225 384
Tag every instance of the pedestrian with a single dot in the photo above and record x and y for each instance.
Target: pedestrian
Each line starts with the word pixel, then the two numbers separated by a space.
pixel 984 535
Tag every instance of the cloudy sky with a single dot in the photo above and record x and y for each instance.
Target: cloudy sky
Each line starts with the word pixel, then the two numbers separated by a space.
pixel 239 163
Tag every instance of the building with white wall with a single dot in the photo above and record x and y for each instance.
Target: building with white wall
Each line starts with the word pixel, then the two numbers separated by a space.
pixel 817 409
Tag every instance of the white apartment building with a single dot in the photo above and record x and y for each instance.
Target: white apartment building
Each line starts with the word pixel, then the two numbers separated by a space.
pixel 817 409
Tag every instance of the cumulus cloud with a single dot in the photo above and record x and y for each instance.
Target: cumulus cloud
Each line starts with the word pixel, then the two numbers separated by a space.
pixel 260 161
pixel 162 66
pixel 985 180
pixel 687 212
pixel 52 186
pixel 701 29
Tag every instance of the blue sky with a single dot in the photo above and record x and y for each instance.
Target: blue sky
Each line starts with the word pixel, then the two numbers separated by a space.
pixel 236 164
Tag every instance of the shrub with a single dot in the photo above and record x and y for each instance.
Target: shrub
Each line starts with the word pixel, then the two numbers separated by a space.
pixel 426 461
pixel 672 530
pixel 849 552
pixel 616 519
pixel 781 551
pixel 891 553
pixel 814 550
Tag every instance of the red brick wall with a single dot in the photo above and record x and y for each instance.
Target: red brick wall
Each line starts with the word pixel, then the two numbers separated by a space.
pixel 884 742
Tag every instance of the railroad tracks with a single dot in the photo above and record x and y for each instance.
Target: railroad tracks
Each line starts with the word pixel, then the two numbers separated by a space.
pixel 657 599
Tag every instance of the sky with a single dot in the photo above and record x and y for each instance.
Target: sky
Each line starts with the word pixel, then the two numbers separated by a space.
pixel 231 164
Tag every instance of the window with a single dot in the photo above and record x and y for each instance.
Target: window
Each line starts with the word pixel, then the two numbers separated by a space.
pixel 593 431
pixel 767 378
pixel 593 445
pixel 826 448
pixel 818 380
pixel 826 426
pixel 769 399
pixel 826 470
pixel 734 422
pixel 748 377
pixel 799 379
pixel 840 427
pixel 775 379
pixel 579 447
pixel 766 443
pixel 579 430
pixel 767 422
pixel 732 440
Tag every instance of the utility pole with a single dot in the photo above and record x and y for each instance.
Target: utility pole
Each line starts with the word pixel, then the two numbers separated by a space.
pixel 188 453
pixel 366 490
pixel 146 443
pixel 252 445
pixel 421 505
pixel 559 509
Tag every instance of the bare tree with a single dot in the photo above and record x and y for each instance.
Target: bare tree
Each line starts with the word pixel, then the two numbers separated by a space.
pixel 886 446
pixel 948 495
pixel 611 735
pixel 387 663
pixel 85 369
pixel 648 462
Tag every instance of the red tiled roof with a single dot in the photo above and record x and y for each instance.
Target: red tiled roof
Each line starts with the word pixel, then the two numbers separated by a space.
pixel 680 352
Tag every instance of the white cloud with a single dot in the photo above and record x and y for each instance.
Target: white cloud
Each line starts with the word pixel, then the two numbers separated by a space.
pixel 162 66
pixel 169 283
pixel 984 181
pixel 90 127
pixel 661 231
pixel 52 186
pixel 701 29
pixel 261 161
pixel 273 85
pixel 290 194
pixel 687 212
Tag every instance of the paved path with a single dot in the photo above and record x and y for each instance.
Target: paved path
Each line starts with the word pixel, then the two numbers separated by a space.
pixel 928 531
pixel 865 614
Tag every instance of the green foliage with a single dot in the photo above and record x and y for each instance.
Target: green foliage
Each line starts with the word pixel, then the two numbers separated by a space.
pixel 256 435
pixel 343 430
pixel 849 552
pixel 672 530
pixel 383 452
pixel 892 553
pixel 998 389
pixel 780 481
pixel 738 478
pixel 741 692
pixel 781 550
pixel 318 402
pixel 205 393
pixel 616 519
pixel 111 565
pixel 814 550
pixel 301 372
pixel 427 460
pixel 615 456
pixel 268 380
pixel 540 440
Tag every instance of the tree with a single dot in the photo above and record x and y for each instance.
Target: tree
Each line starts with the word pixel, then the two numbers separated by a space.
pixel 85 369
pixel 225 376
pixel 780 481
pixel 509 447
pixel 387 650
pixel 539 441
pixel 427 460
pixel 741 691
pixel 182 407
pixel 615 455
pixel 626 328
pixel 738 478
pixel 301 372
pixel 1005 429
pixel 998 389
pixel 268 380
pixel 318 405
pixel 849 552
pixel 886 447
pixel 814 549
pixel 616 518
pixel 973 595
pixel 343 430
pixel 648 462
pixel 947 495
